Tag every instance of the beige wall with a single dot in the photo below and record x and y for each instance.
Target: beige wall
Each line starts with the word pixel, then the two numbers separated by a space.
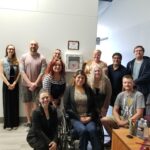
pixel 52 23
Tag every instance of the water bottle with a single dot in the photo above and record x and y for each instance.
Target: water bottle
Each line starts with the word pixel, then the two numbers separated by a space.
pixel 140 128
pixel 146 130
pixel 132 127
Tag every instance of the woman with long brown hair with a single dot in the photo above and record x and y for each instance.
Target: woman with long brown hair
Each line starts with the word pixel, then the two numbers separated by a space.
pixel 80 106
pixel 9 71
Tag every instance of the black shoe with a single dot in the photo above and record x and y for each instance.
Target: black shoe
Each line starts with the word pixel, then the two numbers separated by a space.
pixel 108 144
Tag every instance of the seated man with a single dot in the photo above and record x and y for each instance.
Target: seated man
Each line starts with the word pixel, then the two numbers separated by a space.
pixel 129 104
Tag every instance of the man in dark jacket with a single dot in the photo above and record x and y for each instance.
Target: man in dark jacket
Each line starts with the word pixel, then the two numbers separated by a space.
pixel 139 68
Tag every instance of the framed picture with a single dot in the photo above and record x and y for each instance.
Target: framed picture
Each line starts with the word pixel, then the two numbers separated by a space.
pixel 73 62
pixel 73 45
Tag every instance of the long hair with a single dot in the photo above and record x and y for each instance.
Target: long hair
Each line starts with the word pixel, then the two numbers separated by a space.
pixel 102 81
pixel 79 72
pixel 14 57
pixel 49 69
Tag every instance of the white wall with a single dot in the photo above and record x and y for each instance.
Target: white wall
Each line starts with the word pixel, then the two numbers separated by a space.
pixel 51 22
pixel 128 24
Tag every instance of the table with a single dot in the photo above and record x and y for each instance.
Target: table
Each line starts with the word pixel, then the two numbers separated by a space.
pixel 120 141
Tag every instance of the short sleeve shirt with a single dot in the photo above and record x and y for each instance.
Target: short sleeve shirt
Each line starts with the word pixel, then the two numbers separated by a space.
pixel 33 66
pixel 129 103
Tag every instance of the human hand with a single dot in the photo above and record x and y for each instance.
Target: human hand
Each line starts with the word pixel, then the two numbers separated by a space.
pixel 122 123
pixel 52 146
pixel 54 104
pixel 103 112
pixel 11 86
pixel 32 86
pixel 85 119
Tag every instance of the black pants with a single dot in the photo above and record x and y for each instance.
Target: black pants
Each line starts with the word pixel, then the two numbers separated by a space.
pixel 36 142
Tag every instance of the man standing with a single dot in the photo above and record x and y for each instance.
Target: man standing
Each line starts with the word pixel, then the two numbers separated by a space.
pixel 115 73
pixel 32 66
pixel 129 105
pixel 139 68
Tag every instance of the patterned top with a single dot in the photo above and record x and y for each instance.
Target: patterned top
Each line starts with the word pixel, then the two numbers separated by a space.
pixel 56 88
pixel 129 103
pixel 81 102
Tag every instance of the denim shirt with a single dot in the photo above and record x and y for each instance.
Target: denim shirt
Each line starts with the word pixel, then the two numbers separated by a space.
pixel 6 67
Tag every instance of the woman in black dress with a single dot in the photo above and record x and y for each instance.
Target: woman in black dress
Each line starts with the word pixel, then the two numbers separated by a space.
pixel 9 71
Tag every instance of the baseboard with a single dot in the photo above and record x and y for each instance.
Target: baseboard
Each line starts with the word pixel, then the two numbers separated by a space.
pixel 22 119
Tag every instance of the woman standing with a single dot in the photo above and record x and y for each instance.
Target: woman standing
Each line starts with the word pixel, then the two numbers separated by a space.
pixel 9 71
pixel 43 133
pixel 88 66
pixel 80 106
pixel 101 87
pixel 54 80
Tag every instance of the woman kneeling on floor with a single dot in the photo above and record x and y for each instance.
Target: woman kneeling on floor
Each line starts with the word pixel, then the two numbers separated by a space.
pixel 43 133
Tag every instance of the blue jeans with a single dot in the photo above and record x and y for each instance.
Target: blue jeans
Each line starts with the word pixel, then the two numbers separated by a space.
pixel 86 132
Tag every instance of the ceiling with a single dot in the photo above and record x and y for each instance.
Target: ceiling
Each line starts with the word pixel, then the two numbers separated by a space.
pixel 107 0
pixel 103 6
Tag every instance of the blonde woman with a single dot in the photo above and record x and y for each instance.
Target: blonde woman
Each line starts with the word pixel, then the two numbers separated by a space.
pixel 9 72
pixel 101 86
pixel 88 66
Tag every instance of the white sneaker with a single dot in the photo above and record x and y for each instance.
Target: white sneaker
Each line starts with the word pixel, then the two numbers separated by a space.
pixel 8 129
pixel 27 129
pixel 15 128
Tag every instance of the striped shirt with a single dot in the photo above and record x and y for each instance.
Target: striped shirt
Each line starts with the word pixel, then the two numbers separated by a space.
pixel 56 88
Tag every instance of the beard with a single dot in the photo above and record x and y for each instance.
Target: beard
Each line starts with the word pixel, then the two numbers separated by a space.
pixel 33 50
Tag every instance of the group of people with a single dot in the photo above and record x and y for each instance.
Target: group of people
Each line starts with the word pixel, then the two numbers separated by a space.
pixel 86 99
